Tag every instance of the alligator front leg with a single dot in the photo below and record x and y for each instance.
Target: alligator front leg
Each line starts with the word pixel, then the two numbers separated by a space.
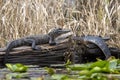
pixel 52 41
pixel 32 42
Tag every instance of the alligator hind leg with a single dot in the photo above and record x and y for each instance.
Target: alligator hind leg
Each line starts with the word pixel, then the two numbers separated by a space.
pixel 33 44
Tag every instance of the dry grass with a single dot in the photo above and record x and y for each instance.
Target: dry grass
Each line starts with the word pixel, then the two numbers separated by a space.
pixel 19 18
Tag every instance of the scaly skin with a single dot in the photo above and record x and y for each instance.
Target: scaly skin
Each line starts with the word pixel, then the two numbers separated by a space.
pixel 35 40
pixel 97 41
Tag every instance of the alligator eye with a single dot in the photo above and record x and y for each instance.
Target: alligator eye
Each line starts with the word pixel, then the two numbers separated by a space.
pixel 59 28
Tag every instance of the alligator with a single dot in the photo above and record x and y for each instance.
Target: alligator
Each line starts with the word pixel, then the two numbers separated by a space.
pixel 34 40
pixel 98 41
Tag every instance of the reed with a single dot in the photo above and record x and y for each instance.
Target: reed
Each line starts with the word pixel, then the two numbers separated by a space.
pixel 19 18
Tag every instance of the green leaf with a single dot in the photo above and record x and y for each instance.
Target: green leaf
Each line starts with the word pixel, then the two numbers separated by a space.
pixel 17 67
pixel 84 72
pixel 98 76
pixel 79 66
pixel 50 71
pixel 10 76
pixel 68 63
pixel 99 63
pixel 59 77
pixel 96 70
pixel 11 67
pixel 111 66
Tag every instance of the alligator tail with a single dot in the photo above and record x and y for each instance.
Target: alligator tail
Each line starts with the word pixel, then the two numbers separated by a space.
pixel 100 43
pixel 7 51
pixel 6 57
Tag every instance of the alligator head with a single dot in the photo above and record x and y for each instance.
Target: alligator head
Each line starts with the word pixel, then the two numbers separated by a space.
pixel 54 33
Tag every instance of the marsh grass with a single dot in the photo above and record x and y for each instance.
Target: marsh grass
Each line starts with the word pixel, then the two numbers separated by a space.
pixel 19 18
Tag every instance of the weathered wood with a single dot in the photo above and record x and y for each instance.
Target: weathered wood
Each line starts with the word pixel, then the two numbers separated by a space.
pixel 48 55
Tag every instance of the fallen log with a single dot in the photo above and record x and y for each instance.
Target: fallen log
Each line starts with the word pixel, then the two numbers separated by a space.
pixel 48 55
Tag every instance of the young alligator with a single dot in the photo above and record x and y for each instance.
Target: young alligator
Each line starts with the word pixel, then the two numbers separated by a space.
pixel 35 40
pixel 97 40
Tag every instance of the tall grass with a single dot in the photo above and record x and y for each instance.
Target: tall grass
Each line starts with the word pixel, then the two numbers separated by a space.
pixel 19 18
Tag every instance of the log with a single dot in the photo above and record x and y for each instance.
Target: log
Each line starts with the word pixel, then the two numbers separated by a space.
pixel 48 55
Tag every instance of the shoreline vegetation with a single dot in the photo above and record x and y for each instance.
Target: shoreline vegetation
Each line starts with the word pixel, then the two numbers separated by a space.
pixel 19 18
